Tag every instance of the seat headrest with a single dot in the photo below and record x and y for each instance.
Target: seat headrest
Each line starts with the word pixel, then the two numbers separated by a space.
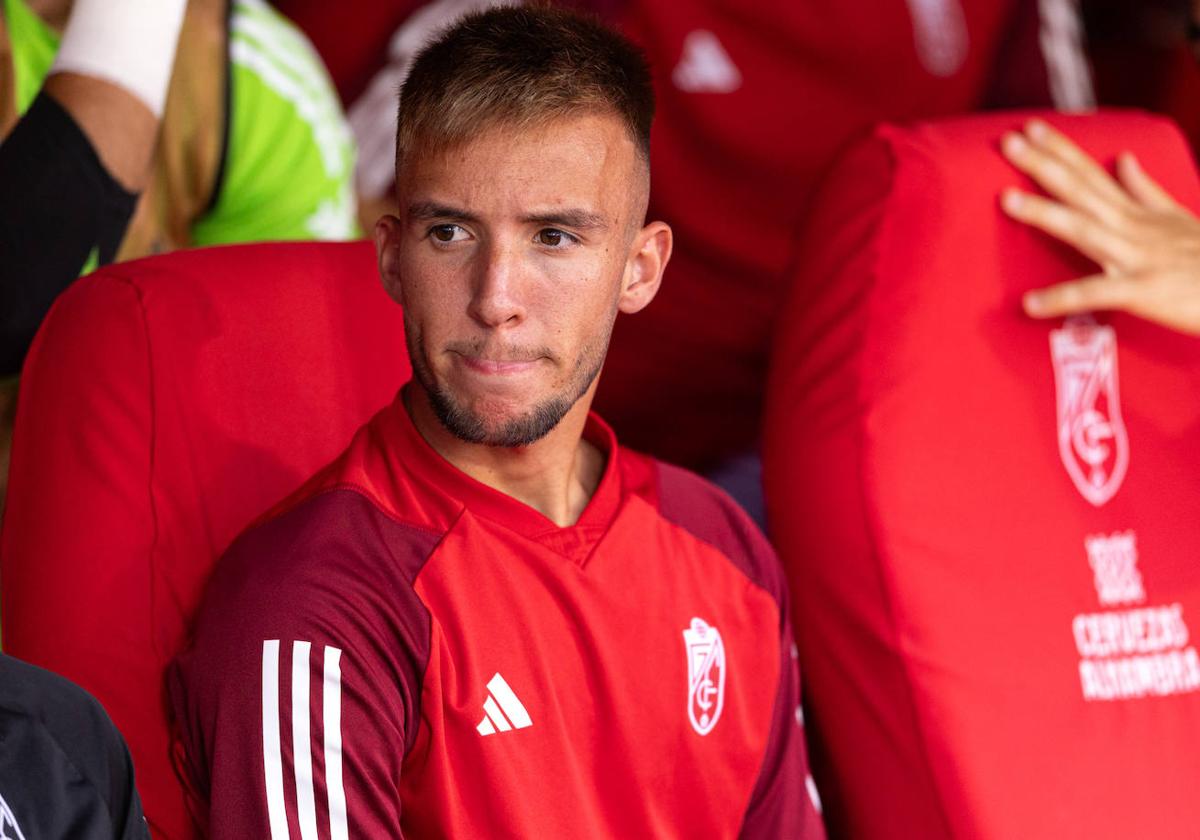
pixel 164 405
pixel 989 521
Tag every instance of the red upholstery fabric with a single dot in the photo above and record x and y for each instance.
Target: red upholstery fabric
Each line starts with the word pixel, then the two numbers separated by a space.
pixel 958 646
pixel 165 404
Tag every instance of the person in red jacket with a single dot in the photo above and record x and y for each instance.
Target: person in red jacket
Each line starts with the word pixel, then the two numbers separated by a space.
pixel 486 618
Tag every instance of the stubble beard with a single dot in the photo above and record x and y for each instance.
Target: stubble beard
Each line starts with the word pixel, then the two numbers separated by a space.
pixel 526 429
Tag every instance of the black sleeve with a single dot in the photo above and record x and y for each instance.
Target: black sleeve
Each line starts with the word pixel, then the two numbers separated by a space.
pixel 58 204
pixel 64 768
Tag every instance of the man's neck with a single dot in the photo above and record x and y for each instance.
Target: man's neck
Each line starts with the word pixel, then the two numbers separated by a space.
pixel 556 476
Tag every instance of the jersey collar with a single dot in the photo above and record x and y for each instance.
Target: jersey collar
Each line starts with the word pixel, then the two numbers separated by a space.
pixel 424 463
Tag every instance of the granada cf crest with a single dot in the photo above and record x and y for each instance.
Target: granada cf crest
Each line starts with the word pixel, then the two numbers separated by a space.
pixel 1091 435
pixel 706 675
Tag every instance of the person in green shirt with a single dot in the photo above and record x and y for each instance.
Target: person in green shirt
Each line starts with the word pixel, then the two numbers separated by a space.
pixel 134 127
pixel 288 155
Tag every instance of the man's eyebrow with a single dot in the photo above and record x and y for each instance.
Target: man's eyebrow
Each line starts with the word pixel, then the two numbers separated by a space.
pixel 570 218
pixel 578 219
pixel 425 210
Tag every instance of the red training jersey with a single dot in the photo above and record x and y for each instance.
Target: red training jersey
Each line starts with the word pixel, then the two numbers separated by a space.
pixel 403 651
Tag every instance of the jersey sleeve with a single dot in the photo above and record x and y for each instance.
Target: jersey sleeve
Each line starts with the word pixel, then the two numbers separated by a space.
pixel 299 696
pixel 784 801
pixel 288 172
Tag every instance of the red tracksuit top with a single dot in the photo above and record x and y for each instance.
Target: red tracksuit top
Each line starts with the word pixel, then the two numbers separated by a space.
pixel 402 651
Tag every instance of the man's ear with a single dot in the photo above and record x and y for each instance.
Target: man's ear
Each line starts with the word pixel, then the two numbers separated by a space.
pixel 387 248
pixel 648 256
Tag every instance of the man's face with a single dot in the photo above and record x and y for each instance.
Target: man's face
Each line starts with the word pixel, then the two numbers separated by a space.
pixel 511 257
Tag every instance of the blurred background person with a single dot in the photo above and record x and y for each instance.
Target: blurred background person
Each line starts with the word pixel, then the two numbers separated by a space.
pixel 65 771
pixel 1143 57
pixel 133 127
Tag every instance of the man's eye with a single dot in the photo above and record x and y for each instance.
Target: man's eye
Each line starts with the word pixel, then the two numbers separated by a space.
pixel 447 233
pixel 553 238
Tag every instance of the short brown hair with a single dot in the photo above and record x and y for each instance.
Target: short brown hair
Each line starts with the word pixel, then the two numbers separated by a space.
pixel 522 65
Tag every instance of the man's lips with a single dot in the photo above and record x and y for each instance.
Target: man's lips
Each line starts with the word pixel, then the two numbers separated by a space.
pixel 493 367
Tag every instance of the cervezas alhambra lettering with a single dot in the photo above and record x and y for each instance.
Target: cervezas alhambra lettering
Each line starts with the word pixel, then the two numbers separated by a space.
pixel 1138 651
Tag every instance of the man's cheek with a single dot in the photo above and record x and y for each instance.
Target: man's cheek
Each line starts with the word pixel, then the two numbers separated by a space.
pixel 435 295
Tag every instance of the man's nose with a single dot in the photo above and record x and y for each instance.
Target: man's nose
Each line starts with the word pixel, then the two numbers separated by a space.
pixel 496 299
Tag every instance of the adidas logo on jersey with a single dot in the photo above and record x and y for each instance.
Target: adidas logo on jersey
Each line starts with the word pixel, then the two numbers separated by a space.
pixel 705 66
pixel 502 710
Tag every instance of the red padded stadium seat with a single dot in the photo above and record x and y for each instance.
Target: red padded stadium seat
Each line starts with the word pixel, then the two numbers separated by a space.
pixel 165 404
pixel 990 523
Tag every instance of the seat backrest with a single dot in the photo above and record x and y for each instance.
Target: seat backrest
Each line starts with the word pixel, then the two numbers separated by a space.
pixel 165 404
pixel 989 522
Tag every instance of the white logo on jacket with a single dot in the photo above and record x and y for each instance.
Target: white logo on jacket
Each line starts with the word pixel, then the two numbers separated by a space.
pixel 1092 440
pixel 502 711
pixel 9 830
pixel 706 674
pixel 940 35
pixel 705 67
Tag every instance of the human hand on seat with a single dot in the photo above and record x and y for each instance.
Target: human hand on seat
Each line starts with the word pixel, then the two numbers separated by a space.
pixel 1146 244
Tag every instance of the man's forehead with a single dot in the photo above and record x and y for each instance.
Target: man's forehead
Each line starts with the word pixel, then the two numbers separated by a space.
pixel 585 165
pixel 586 141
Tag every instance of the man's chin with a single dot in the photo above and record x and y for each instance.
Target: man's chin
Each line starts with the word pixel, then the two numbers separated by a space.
pixel 501 422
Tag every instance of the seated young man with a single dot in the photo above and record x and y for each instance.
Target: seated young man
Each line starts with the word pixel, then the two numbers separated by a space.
pixel 486 618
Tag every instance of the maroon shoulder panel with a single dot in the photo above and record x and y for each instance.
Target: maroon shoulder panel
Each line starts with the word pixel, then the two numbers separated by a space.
pixel 783 804
pixel 310 620
pixel 707 513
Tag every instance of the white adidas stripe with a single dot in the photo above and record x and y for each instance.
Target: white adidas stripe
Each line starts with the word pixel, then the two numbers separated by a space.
pixel 306 806
pixel 272 761
pixel 509 702
pixel 332 712
pixel 501 697
pixel 1061 39
pixel 493 713
pixel 302 742
pixel 813 795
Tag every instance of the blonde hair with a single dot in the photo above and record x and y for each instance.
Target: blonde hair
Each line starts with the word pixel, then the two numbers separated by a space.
pixel 521 66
